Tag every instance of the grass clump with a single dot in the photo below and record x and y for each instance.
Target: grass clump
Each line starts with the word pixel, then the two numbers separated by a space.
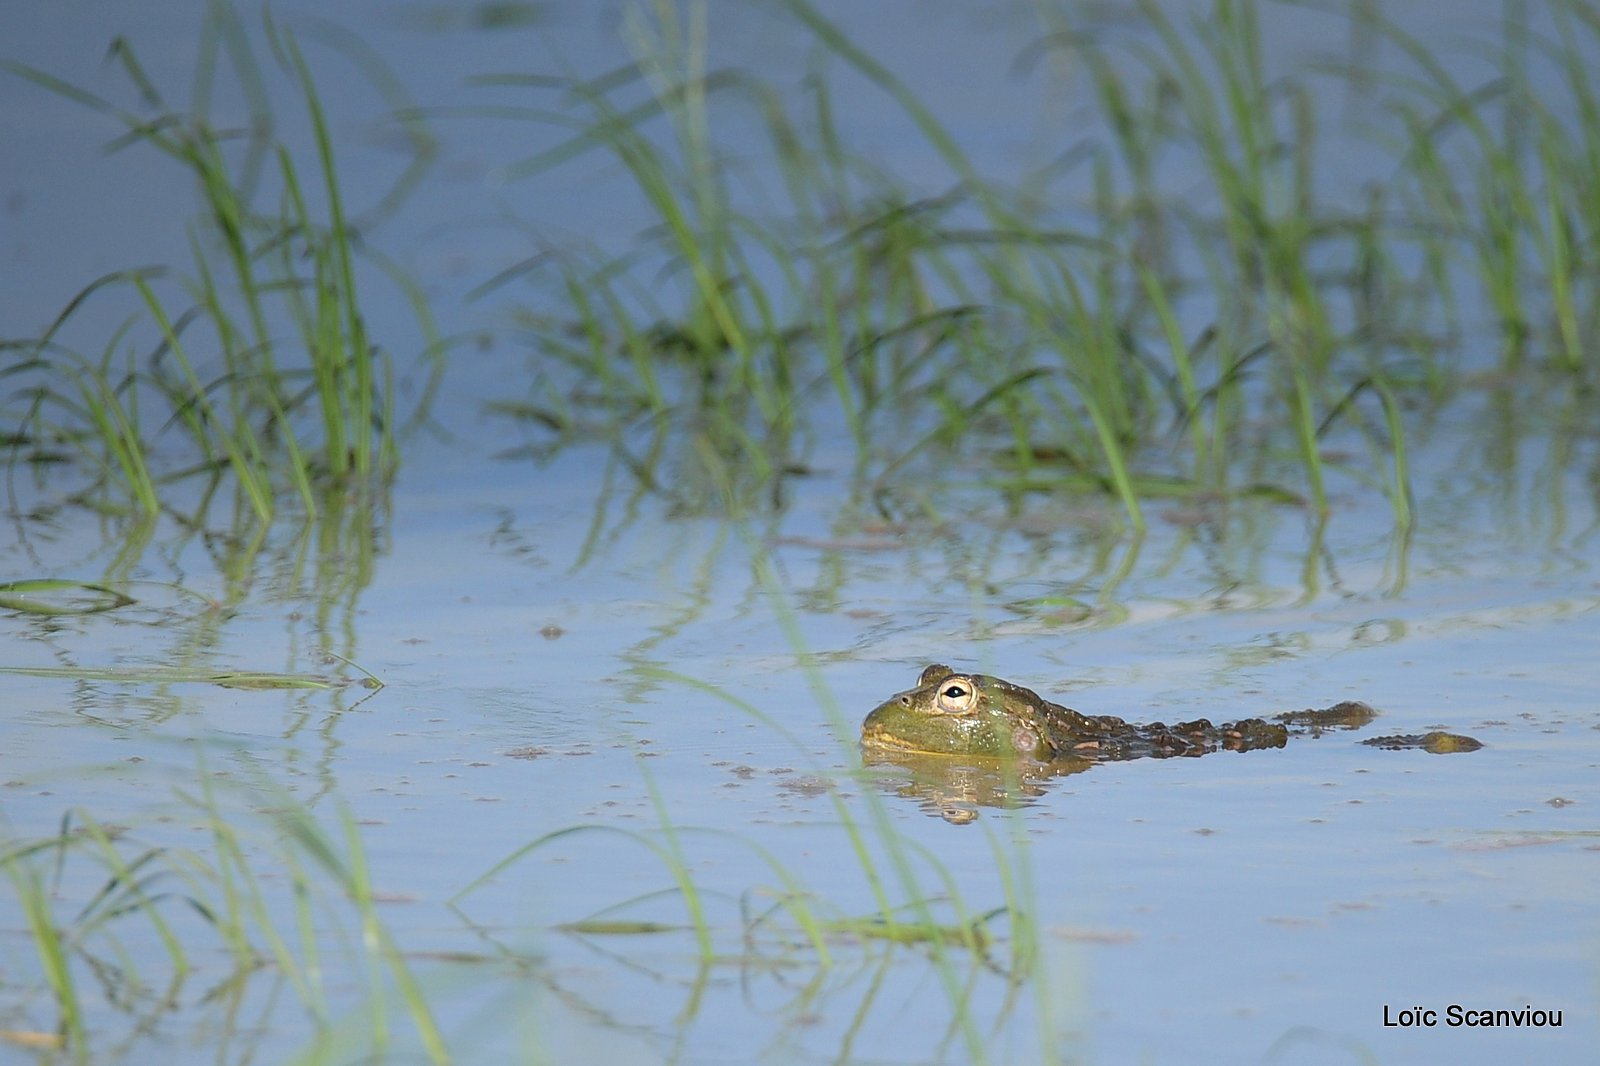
pixel 1102 325
pixel 133 934
pixel 257 365
pixel 1505 172
pixel 164 916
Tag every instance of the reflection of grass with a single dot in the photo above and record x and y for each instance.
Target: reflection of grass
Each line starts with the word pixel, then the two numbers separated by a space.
pixel 207 359
pixel 973 935
pixel 160 675
pixel 59 596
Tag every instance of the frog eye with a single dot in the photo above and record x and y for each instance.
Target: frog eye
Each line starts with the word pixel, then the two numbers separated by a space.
pixel 957 695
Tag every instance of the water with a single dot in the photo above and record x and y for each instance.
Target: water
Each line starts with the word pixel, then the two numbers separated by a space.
pixel 559 652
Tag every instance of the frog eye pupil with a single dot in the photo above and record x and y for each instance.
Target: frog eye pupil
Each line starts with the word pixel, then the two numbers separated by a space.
pixel 955 692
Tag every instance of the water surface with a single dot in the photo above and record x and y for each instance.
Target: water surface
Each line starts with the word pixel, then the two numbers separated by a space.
pixel 560 650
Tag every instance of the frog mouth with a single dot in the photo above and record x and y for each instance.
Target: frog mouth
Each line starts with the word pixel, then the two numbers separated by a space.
pixel 882 740
pixel 875 738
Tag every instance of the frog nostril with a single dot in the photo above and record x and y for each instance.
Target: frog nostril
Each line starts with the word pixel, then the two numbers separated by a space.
pixel 905 701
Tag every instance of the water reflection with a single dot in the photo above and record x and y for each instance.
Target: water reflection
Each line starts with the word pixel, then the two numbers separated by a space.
pixel 223 627
pixel 954 788
pixel 621 531
pixel 841 1007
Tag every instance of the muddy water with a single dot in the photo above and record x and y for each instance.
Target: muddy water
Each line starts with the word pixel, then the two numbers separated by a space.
pixel 559 654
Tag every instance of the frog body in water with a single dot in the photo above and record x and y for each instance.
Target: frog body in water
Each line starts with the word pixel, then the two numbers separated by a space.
pixel 959 741
pixel 976 715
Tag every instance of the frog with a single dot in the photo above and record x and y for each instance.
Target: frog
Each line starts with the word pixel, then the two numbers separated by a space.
pixel 961 741
pixel 952 713
pixel 973 715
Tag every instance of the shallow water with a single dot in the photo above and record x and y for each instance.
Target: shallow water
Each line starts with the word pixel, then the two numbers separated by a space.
pixel 559 653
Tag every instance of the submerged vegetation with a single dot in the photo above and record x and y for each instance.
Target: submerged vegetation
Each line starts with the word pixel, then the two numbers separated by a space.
pixel 1098 328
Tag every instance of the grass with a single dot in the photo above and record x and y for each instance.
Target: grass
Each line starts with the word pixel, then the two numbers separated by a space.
pixel 275 908
pixel 124 925
pixel 258 362
pixel 287 898
pixel 242 679
pixel 59 596
pixel 1075 338
pixel 195 903
pixel 1107 334
pixel 1504 171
